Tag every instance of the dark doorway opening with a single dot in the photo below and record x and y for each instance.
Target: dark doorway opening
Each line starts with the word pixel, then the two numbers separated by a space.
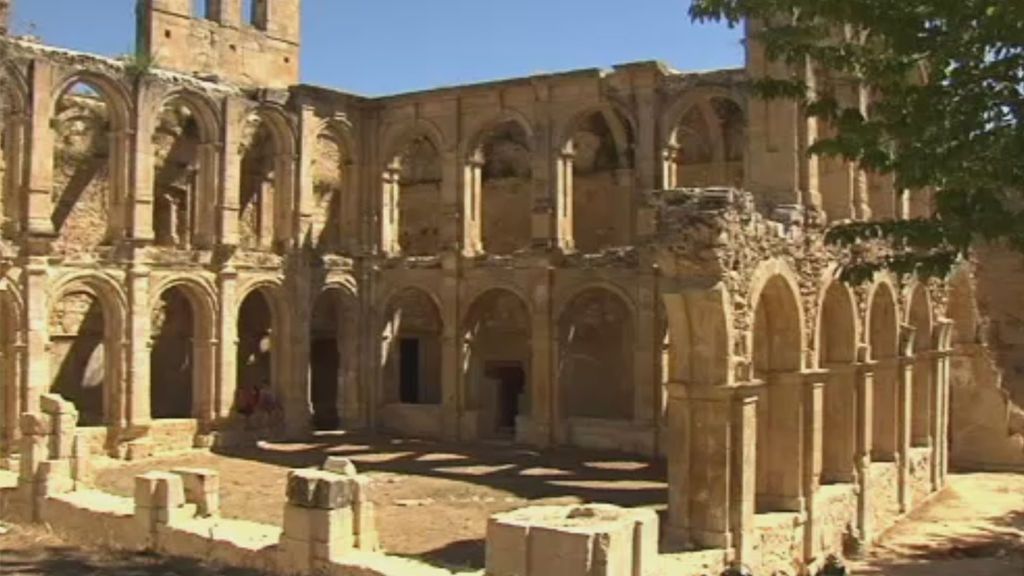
pixel 511 383
pixel 409 371
pixel 325 362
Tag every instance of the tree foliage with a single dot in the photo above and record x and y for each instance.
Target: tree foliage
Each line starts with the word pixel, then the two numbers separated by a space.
pixel 945 80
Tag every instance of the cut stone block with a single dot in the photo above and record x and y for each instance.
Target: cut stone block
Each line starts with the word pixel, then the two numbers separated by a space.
pixel 202 488
pixel 56 404
pixel 339 465
pixel 33 425
pixel 318 489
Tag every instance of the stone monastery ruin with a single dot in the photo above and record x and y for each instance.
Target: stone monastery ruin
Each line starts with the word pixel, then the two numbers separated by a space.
pixel 628 259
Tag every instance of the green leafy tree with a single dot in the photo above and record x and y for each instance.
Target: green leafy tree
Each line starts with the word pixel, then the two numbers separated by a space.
pixel 946 86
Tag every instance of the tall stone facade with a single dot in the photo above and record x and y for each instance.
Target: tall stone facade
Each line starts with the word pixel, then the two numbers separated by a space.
pixel 629 259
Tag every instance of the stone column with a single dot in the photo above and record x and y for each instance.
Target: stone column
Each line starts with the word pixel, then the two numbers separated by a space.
pixel 865 418
pixel 543 364
pixel 785 453
pixel 304 201
pixel 389 218
pixel 543 218
pixel 451 217
pixel 472 185
pixel 294 359
pixel 451 354
pixel 814 404
pixel 36 321
pixel 140 197
pixel 711 456
pixel 904 419
pixel 121 201
pixel 230 181
pixel 940 402
pixel 563 202
pixel 137 380
pixel 39 187
pixel 646 382
pixel 227 335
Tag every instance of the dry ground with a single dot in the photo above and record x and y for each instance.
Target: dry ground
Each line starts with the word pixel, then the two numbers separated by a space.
pixel 973 528
pixel 433 500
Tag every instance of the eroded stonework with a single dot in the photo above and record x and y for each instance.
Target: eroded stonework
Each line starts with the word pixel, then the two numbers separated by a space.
pixel 205 251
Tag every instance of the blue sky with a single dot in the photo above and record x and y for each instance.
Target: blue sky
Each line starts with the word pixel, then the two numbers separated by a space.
pixel 377 47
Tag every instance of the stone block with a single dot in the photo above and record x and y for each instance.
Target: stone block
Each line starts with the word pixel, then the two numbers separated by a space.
pixel 159 491
pixel 318 489
pixel 63 438
pixel 559 551
pixel 202 488
pixel 294 556
pixel 339 465
pixel 506 550
pixel 34 451
pixel 55 404
pixel 80 455
pixel 33 425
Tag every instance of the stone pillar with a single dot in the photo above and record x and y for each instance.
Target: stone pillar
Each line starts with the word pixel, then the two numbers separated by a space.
pixel 36 321
pixel 389 219
pixel 304 201
pixel 865 417
pixel 140 197
pixel 564 202
pixel 227 336
pixel 543 364
pixel 543 218
pixel 230 181
pixel 785 457
pixel 940 402
pixel 472 197
pixel 120 199
pixel 774 163
pixel 814 413
pixel 319 521
pixel 646 381
pixel 711 459
pixel 40 140
pixel 294 357
pixel 451 354
pixel 137 380
pixel 904 419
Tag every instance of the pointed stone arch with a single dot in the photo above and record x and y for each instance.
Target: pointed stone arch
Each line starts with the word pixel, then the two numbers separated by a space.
pixel 838 335
pixel 883 340
pixel 923 386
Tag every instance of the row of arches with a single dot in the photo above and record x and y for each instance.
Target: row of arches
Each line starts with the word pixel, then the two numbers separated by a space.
pixel 179 141
pixel 890 340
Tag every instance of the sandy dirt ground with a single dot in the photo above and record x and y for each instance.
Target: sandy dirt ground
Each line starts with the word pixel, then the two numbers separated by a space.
pixel 433 500
pixel 973 528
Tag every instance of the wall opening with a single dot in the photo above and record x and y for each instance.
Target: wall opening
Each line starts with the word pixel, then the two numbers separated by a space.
pixel 507 190
pixel 255 359
pixel 496 334
pixel 172 361
pixel 419 198
pixel 922 385
pixel 776 361
pixel 325 361
pixel 259 178
pixel 177 181
pixel 838 355
pixel 330 165
pixel 413 357
pixel 82 169
pixel 884 340
pixel 602 181
pixel 78 355
pixel 596 357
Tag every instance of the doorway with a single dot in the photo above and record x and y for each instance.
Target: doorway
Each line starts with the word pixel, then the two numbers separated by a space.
pixel 324 364
pixel 510 380
pixel 409 368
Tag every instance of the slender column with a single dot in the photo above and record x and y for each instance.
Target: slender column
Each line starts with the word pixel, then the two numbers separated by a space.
pixel 230 181
pixel 123 211
pixel 295 358
pixel 669 168
pixel 204 230
pixel 564 202
pixel 17 124
pixel 742 476
pixel 814 404
pixel 472 240
pixel 645 377
pixel 865 417
pixel 38 208
pixel 389 220
pixel 140 196
pixel 783 465
pixel 904 419
pixel 451 353
pixel 36 320
pixel 451 216
pixel 543 376
pixel 137 379
pixel 227 335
